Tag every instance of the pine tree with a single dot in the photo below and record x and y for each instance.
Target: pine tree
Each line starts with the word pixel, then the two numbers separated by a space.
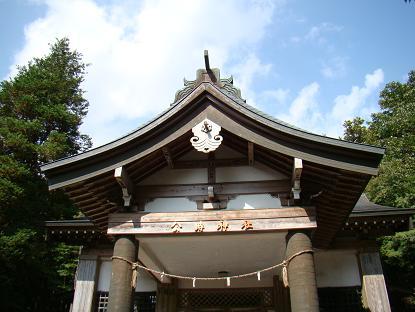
pixel 41 110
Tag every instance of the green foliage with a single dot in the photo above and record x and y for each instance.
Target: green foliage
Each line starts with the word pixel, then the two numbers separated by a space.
pixel 394 128
pixel 65 257
pixel 33 272
pixel 41 109
pixel 399 250
pixel 398 253
pixel 355 130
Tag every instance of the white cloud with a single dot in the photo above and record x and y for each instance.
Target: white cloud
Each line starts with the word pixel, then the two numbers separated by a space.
pixel 139 53
pixel 245 72
pixel 295 39
pixel 305 111
pixel 317 33
pixel 334 67
pixel 347 106
pixel 278 95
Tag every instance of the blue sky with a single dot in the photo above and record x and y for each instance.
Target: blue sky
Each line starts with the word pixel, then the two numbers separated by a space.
pixel 310 63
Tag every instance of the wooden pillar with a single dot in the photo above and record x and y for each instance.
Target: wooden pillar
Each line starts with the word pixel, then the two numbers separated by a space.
pixel 166 298
pixel 281 295
pixel 121 293
pixel 374 293
pixel 301 274
pixel 86 275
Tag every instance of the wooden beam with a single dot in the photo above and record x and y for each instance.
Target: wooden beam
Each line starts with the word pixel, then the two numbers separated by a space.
pixel 127 186
pixel 251 158
pixel 211 172
pixel 168 157
pixel 296 177
pixel 211 168
pixel 185 190
pixel 213 221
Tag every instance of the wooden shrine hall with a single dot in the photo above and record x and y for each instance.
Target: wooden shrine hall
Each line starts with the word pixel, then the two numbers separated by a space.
pixel 216 206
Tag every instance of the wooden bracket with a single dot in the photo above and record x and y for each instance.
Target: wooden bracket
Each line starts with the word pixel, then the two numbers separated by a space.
pixel 221 202
pixel 296 177
pixel 126 184
pixel 211 193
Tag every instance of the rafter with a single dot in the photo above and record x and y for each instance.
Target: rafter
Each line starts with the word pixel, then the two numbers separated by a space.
pixel 251 159
pixel 167 155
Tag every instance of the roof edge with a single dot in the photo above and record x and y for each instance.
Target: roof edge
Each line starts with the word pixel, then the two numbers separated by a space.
pixel 213 90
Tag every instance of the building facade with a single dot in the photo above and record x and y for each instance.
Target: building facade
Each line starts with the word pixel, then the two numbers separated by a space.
pixel 215 206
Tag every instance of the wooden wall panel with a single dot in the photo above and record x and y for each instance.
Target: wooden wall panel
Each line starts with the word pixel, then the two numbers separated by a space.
pixel 85 285
pixel 374 293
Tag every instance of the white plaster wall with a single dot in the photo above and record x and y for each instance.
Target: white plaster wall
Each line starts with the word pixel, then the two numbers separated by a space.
pixel 255 201
pixel 167 176
pixel 145 282
pixel 337 268
pixel 174 204
pixel 258 172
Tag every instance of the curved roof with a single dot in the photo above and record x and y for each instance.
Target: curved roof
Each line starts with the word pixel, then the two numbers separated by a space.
pixel 336 169
pixel 233 101
pixel 364 207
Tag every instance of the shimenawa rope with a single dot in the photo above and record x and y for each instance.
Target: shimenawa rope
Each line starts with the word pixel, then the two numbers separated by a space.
pixel 284 264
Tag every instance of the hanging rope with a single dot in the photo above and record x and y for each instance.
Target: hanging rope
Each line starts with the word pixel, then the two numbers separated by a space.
pixel 284 264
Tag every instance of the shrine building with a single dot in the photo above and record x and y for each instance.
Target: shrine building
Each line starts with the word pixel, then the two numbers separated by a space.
pixel 216 206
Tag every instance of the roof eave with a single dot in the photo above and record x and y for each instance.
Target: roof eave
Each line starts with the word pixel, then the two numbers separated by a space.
pixel 215 91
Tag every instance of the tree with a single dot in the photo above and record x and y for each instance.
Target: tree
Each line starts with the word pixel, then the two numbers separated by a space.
pixel 355 130
pixel 41 109
pixel 394 128
pixel 398 253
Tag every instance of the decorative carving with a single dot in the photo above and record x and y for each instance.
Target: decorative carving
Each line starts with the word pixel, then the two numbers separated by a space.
pixel 212 76
pixel 176 227
pixel 223 226
pixel 189 86
pixel 247 225
pixel 227 85
pixel 206 136
pixel 200 227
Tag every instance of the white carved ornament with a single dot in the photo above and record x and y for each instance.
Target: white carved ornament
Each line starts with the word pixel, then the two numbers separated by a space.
pixel 206 136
